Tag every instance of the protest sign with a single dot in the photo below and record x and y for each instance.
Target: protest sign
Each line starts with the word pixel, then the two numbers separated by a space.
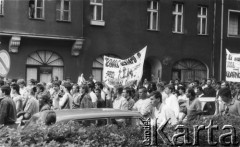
pixel 124 72
pixel 232 67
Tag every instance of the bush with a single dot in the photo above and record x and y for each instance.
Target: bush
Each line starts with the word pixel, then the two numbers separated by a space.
pixel 73 134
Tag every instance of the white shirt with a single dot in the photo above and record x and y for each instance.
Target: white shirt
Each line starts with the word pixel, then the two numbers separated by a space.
pixel 143 106
pixel 164 96
pixel 172 103
pixel 162 114
pixel 120 103
pixel 182 97
pixel 93 96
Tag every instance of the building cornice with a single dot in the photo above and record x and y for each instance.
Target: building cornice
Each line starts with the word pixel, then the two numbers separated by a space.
pixel 41 36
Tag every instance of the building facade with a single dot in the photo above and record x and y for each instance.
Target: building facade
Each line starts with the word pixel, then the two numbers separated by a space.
pixel 185 39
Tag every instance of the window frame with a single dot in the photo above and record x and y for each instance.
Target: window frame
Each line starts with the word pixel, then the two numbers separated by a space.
pixel 94 20
pixel 176 13
pixel 37 8
pixel 1 7
pixel 201 16
pixel 61 11
pixel 151 10
pixel 233 11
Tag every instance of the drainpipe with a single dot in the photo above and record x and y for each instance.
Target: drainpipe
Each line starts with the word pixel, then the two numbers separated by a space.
pixel 221 41
pixel 214 38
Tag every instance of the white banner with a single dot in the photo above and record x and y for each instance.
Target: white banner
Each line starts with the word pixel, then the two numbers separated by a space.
pixel 232 67
pixel 124 72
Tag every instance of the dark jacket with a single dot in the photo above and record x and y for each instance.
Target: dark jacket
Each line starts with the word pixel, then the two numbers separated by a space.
pixel 8 112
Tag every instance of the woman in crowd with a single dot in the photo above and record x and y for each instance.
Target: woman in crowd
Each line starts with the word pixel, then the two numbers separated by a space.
pixel 76 96
pixel 17 97
pixel 85 100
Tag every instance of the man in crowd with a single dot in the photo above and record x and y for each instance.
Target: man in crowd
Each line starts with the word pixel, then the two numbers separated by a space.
pixel 227 104
pixel 127 94
pixel 8 110
pixel 209 91
pixel 120 102
pixel 55 97
pixel 171 100
pixel 92 94
pixel 143 105
pixel 160 112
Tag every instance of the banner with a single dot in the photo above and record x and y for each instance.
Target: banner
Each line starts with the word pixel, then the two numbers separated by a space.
pixel 124 72
pixel 232 67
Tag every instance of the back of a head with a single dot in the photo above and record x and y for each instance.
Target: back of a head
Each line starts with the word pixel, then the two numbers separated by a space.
pixel 6 90
pixel 152 87
pixel 15 87
pixel 226 92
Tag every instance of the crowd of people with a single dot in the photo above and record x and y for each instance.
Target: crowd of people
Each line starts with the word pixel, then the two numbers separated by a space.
pixel 160 101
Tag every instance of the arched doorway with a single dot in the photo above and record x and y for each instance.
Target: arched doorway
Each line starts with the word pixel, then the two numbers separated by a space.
pixel 152 69
pixel 188 70
pixel 43 65
pixel 97 67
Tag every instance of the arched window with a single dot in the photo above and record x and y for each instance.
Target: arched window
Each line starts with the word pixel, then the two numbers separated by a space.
pixel 43 65
pixel 97 67
pixel 189 69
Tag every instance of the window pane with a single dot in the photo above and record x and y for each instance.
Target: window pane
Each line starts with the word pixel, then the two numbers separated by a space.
pixel 149 20
pixel 65 15
pixel 174 23
pixel 98 1
pixel 198 26
pixel 39 3
pixel 66 5
pixel 204 26
pixel 1 6
pixel 174 7
pixel 149 4
pixel 39 13
pixel 179 24
pixel 99 11
pixel 58 5
pixel 199 10
pixel 233 24
pixel 154 21
pixel 204 11
pixel 155 4
pixel 97 73
pixel 179 7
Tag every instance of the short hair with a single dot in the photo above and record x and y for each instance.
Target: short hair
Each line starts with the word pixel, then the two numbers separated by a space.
pixel 191 91
pixel 77 87
pixel 85 87
pixel 6 89
pixel 15 87
pixel 152 87
pixel 182 88
pixel 44 97
pixel 169 87
pixel 157 95
pixel 119 90
pixel 21 81
pixel 68 86
pixel 91 85
pixel 33 90
pixel 14 80
pixel 41 87
pixel 218 83
pixel 99 84
pixel 33 81
pixel 128 90
pixel 144 89
pixel 56 84
pixel 200 88
pixel 196 81
pixel 225 92
pixel 50 117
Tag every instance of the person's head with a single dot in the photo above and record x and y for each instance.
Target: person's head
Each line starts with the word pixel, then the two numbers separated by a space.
pixel 224 84
pixel 84 89
pixel 176 81
pixel 99 85
pixel 199 90
pixel 14 81
pixel 33 90
pixel 168 89
pixel 218 85
pixel 15 88
pixel 5 90
pixel 56 86
pixel 171 82
pixel 181 90
pixel 21 83
pixel 75 88
pixel 152 87
pixel 127 93
pixel 190 94
pixel 225 94
pixel 49 117
pixel 32 82
pixel 142 93
pixel 67 87
pixel 156 98
pixel 55 78
pixel 40 87
pixel 119 90
pixel 98 92
pixel 43 99
pixel 160 87
pixel 204 81
pixel 91 85
pixel 196 83
pixel 209 82
pixel 237 88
